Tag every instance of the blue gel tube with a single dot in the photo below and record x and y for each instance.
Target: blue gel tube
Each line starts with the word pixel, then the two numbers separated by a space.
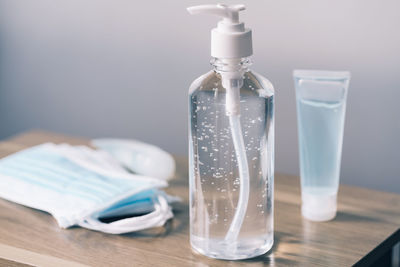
pixel 321 104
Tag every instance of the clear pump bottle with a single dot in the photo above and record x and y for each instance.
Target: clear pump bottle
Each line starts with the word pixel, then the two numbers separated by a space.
pixel 231 147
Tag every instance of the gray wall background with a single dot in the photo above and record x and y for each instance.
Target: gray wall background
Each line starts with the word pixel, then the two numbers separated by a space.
pixel 122 68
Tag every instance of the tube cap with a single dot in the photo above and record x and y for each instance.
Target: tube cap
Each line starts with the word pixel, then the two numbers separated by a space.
pixel 230 39
pixel 318 208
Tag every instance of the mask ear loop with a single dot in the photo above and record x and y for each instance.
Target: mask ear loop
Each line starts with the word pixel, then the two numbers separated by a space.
pixel 162 212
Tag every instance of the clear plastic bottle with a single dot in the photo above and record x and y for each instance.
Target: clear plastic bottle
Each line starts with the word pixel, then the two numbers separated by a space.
pixel 231 146
pixel 214 174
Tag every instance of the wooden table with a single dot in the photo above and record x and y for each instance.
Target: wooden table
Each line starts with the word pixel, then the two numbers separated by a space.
pixel 365 229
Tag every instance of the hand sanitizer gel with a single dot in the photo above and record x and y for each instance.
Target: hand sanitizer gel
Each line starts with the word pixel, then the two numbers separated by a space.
pixel 231 146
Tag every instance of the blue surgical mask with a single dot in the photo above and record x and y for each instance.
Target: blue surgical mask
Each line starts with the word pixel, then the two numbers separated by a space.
pixel 78 185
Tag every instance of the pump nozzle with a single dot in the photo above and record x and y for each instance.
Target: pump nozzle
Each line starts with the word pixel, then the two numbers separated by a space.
pixel 230 39
pixel 229 13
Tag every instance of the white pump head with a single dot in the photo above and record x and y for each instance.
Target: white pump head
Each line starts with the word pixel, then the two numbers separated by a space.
pixel 230 39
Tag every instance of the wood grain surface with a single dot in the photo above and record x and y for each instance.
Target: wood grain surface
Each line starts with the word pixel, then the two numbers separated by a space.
pixel 30 237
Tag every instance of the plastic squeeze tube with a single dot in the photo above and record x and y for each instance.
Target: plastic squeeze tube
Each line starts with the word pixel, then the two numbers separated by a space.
pixel 321 104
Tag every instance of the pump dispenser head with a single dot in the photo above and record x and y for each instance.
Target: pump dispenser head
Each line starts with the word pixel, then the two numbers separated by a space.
pixel 230 39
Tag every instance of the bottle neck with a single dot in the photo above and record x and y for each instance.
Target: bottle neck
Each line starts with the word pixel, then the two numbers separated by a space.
pixel 231 65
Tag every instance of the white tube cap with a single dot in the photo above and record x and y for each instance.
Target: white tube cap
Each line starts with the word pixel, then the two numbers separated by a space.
pixel 230 39
pixel 318 208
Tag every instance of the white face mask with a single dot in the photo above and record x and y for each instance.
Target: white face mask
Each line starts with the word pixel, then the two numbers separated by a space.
pixel 139 157
pixel 78 185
